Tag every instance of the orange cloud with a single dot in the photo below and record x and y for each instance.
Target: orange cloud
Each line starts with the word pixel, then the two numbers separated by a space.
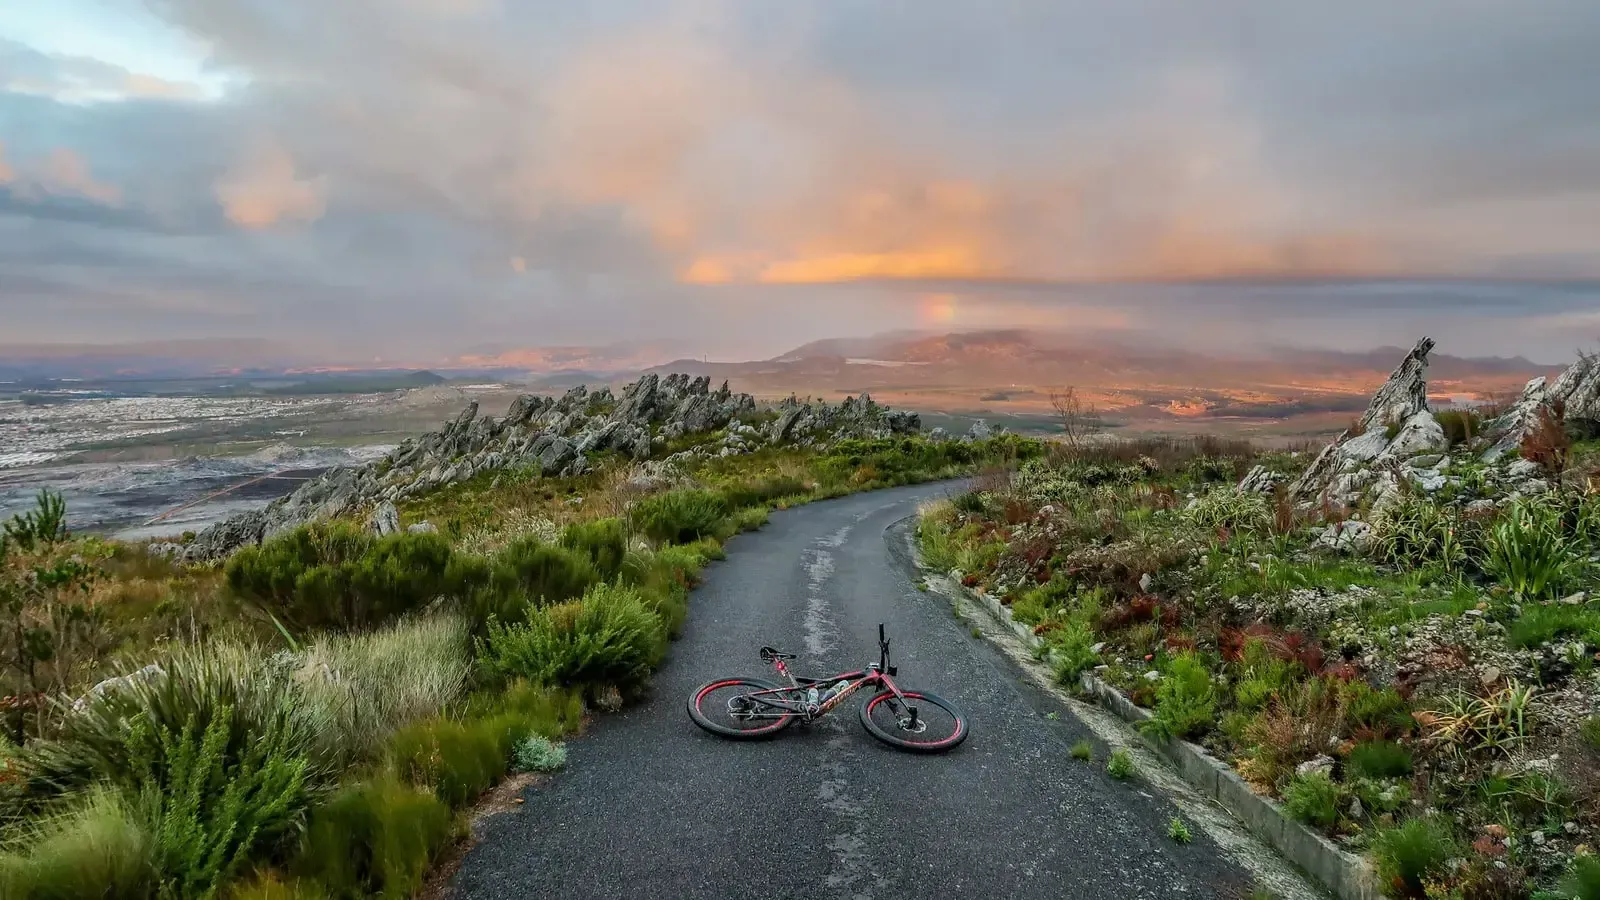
pixel 66 172
pixel 945 262
pixel 265 191
pixel 7 174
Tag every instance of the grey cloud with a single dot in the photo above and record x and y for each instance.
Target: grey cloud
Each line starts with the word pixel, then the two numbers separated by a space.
pixel 424 170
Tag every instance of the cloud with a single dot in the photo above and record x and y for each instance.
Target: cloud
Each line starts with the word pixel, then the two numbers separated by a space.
pixel 81 79
pixel 696 165
pixel 264 190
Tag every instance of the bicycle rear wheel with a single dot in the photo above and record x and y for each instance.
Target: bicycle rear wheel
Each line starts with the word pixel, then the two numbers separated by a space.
pixel 939 725
pixel 720 707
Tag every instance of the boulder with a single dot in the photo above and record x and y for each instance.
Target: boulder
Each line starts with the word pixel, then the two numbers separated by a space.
pixel 1259 480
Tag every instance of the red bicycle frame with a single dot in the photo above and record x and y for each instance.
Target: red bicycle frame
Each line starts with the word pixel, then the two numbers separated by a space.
pixel 779 702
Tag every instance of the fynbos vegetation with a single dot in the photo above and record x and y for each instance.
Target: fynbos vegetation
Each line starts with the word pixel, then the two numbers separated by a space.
pixel 1398 637
pixel 311 715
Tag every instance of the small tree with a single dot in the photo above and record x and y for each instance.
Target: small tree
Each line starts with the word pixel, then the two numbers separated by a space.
pixel 1079 420
pixel 47 624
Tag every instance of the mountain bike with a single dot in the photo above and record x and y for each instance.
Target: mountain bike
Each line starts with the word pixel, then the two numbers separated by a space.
pixel 749 708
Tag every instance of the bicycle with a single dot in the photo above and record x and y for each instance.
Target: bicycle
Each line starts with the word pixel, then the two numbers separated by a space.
pixel 907 720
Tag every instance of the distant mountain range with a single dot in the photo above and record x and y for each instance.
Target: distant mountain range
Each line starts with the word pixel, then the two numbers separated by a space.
pixel 1004 371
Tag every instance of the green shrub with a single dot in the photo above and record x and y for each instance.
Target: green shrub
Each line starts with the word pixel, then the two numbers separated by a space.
pixel 209 816
pixel 611 637
pixel 1380 759
pixel 1226 507
pixel 551 712
pixel 1416 531
pixel 377 838
pixel 544 573
pixel 1409 854
pixel 219 681
pixel 1120 765
pixel 1582 881
pixel 1313 799
pixel 1072 643
pixel 1528 553
pixel 663 579
pixel 604 541
pixel 1185 699
pixel 1383 711
pixel 1178 831
pixel 457 760
pixel 362 688
pixel 750 518
pixel 971 502
pixel 539 754
pixel 337 575
pixel 1083 751
pixel 681 516
pixel 99 848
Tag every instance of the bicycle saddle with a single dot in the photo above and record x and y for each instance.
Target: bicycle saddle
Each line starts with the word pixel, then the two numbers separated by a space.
pixel 771 653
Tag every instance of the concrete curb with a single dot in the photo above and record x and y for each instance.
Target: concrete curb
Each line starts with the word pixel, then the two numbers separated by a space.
pixel 1346 875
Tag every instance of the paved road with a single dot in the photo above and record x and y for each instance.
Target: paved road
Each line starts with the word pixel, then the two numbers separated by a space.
pixel 652 807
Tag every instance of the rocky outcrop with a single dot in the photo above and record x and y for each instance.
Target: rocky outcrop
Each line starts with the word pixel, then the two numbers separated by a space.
pixel 556 437
pixel 1574 398
pixel 1369 460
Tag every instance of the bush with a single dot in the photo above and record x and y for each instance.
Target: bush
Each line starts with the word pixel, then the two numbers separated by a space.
pixel 1072 642
pixel 1416 531
pixel 98 849
pixel 1409 854
pixel 1120 765
pixel 457 760
pixel 337 575
pixel 1382 711
pixel 1313 799
pixel 1583 879
pixel 1226 507
pixel 611 637
pixel 539 754
pixel 1380 759
pixel 375 839
pixel 681 516
pixel 1527 552
pixel 1185 699
pixel 529 573
pixel 362 688
pixel 199 685
pixel 209 815
pixel 602 540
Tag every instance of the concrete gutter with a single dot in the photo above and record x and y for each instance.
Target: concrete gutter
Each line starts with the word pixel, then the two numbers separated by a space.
pixel 1345 875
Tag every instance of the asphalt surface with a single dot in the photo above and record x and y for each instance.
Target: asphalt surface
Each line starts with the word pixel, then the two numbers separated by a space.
pixel 650 806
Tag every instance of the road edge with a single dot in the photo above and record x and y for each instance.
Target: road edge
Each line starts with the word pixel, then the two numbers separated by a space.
pixel 1347 876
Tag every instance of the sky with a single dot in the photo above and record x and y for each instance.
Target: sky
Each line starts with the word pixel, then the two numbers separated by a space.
pixel 411 178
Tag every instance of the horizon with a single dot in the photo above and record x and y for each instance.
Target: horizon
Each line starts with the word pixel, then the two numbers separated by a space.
pixel 403 179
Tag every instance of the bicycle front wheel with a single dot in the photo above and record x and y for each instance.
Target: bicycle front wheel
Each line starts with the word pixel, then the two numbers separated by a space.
pixel 722 707
pixel 937 726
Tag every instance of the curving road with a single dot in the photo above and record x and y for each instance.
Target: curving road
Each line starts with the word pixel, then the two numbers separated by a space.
pixel 652 807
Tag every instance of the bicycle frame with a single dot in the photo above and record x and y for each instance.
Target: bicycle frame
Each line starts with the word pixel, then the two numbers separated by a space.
pixel 777 703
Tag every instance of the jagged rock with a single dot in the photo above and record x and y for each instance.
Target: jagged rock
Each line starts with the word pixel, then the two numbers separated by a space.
pixel 385 520
pixel 938 434
pixel 422 528
pixel 1578 389
pixel 980 431
pixel 1396 425
pixel 557 438
pixel 1259 480
pixel 1507 431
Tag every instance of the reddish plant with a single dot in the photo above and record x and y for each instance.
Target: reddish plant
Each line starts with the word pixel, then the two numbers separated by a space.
pixel 1546 443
